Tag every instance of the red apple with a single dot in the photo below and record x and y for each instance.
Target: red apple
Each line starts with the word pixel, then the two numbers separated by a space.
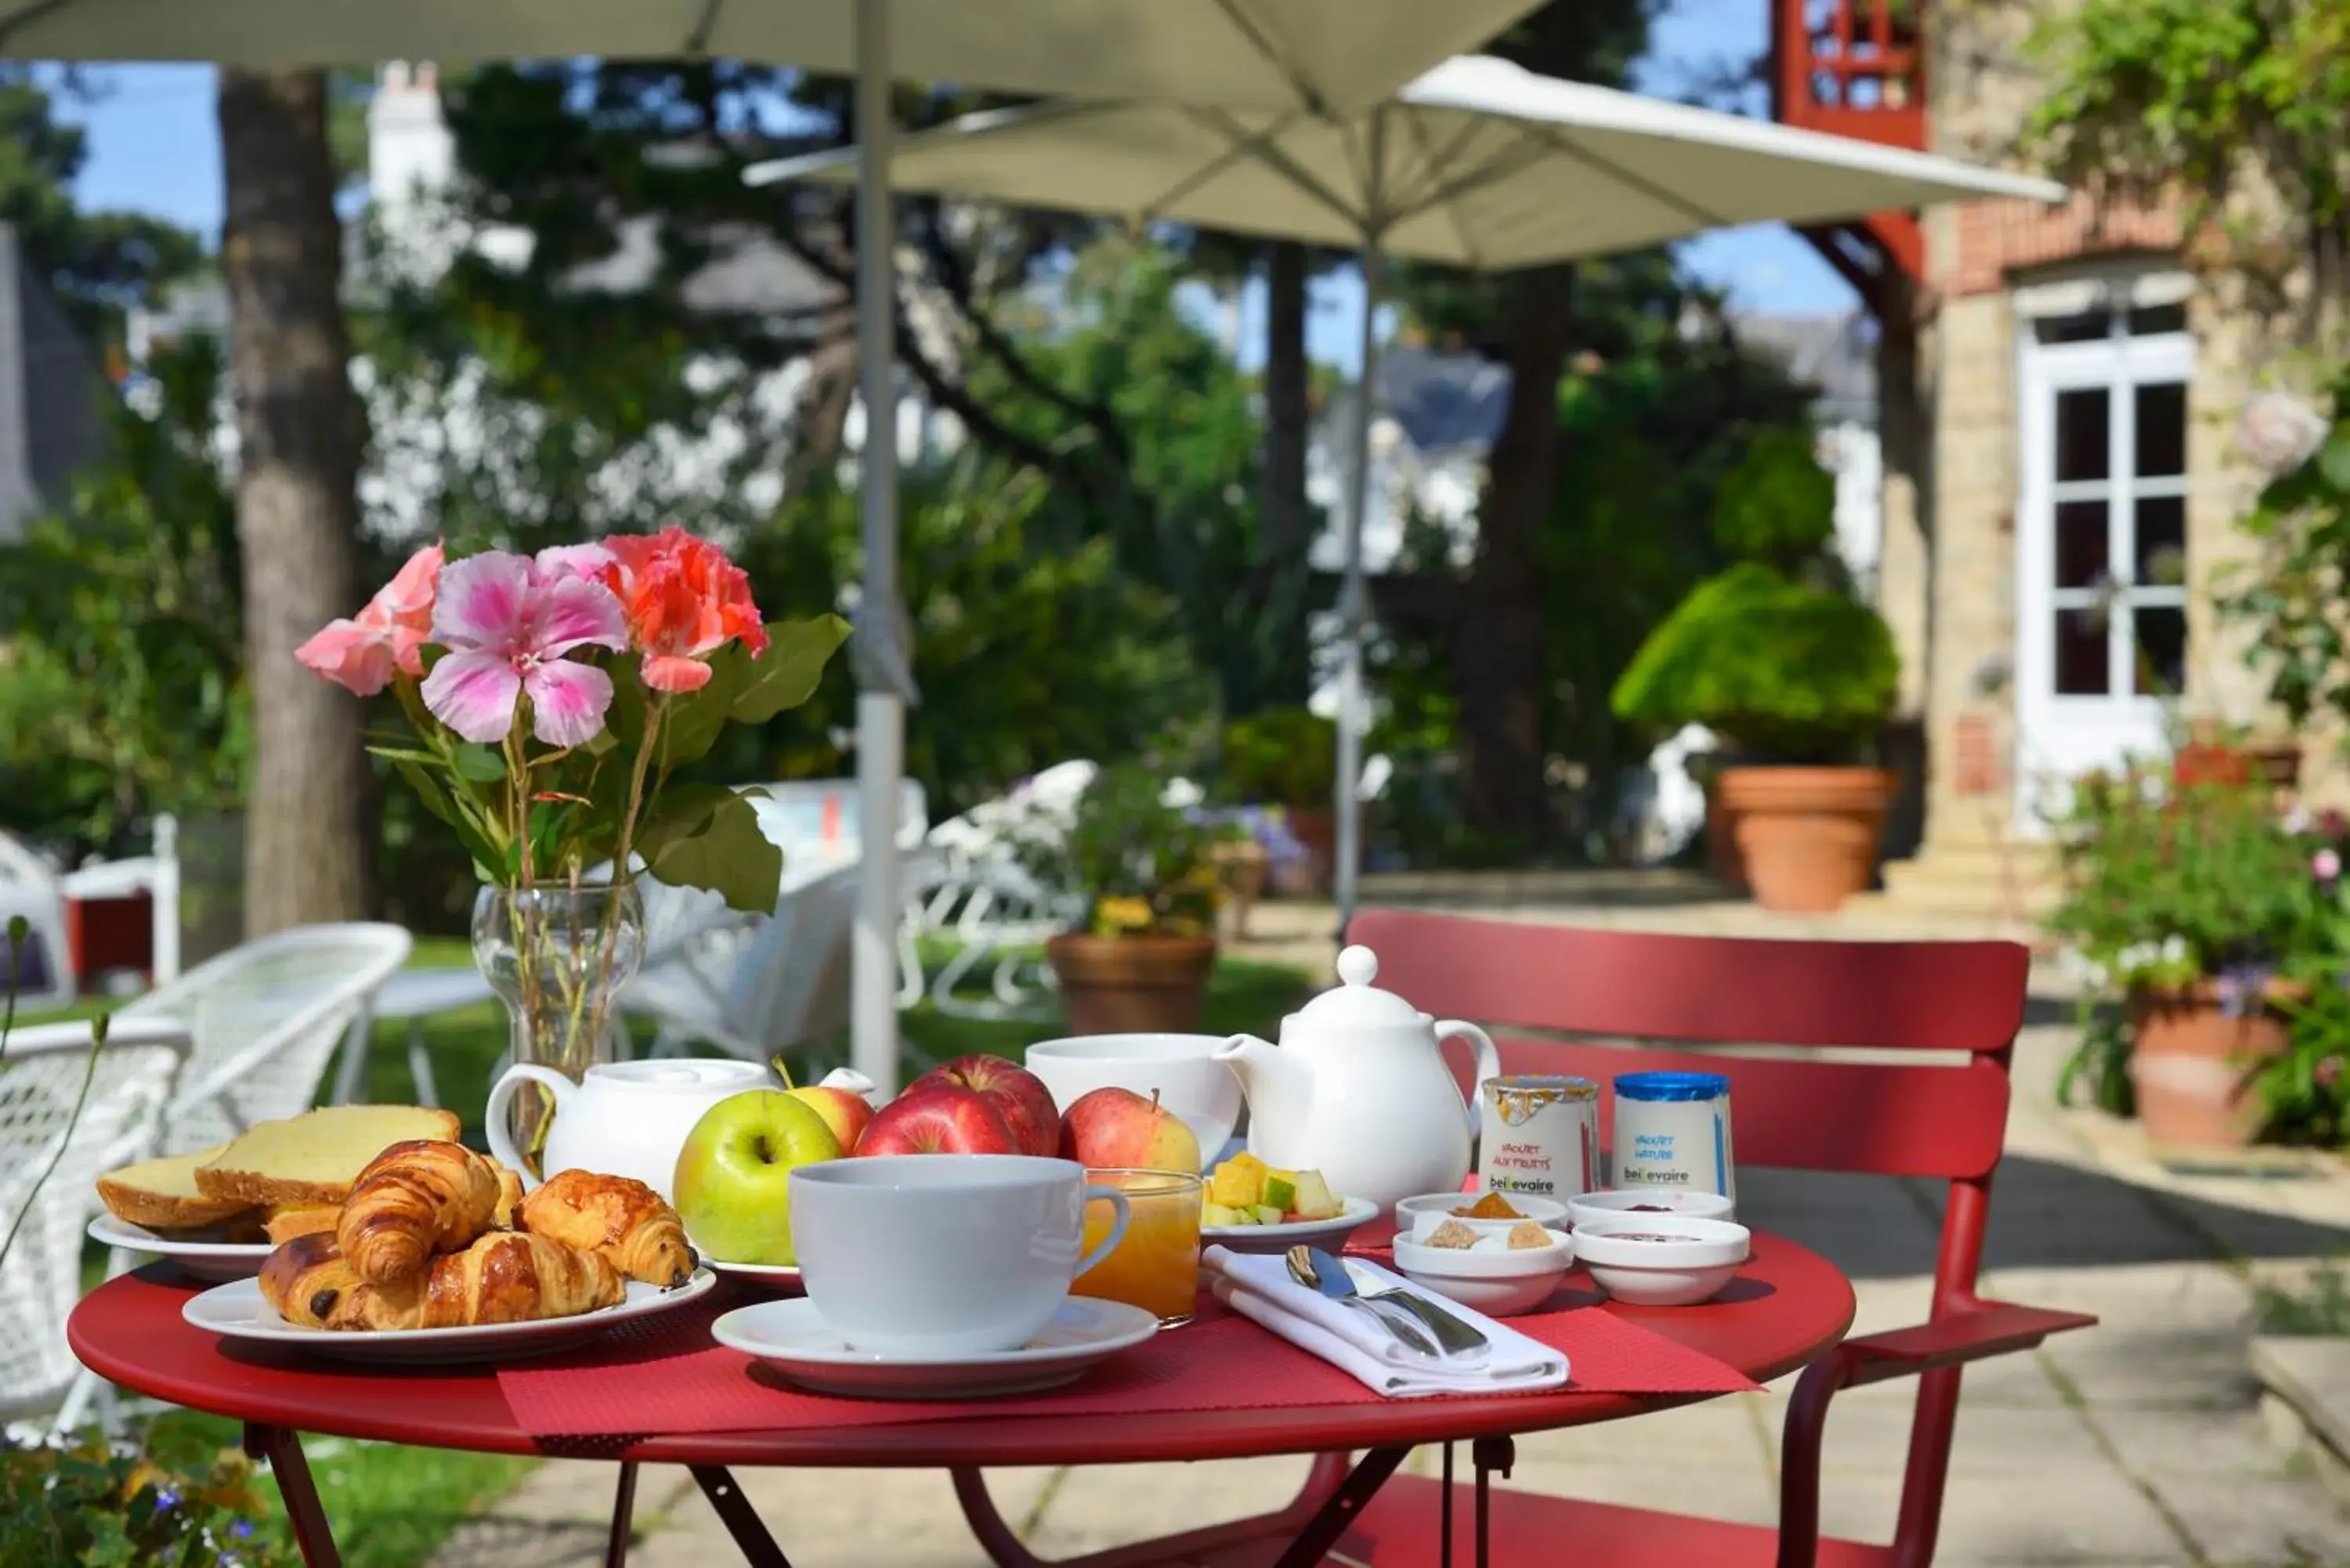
pixel 1117 1128
pixel 846 1114
pixel 942 1119
pixel 1017 1094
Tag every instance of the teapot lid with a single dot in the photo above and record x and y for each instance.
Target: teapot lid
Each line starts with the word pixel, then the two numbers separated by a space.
pixel 1356 1002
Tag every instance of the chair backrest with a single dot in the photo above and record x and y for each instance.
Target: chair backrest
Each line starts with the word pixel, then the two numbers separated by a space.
pixel 1958 1004
pixel 801 815
pixel 267 1017
pixel 788 982
pixel 44 966
pixel 41 1078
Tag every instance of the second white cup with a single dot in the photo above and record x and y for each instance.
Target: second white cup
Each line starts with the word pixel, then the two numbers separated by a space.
pixel 932 1257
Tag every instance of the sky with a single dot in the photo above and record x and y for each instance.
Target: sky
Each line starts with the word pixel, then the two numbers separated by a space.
pixel 154 146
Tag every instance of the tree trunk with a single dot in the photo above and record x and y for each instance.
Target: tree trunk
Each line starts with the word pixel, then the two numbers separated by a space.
pixel 1288 522
pixel 300 431
pixel 1498 651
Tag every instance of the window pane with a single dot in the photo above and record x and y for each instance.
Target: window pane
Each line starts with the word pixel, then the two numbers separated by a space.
pixel 2149 319
pixel 2082 423
pixel 2086 328
pixel 2081 554
pixel 2162 542
pixel 2161 649
pixel 2161 430
pixel 2081 663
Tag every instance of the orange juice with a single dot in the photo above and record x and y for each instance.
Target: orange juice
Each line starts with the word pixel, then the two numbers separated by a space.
pixel 1157 1266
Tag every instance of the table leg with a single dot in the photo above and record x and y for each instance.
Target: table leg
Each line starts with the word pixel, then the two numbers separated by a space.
pixel 1488 1454
pixel 624 1513
pixel 282 1448
pixel 741 1521
pixel 1331 1499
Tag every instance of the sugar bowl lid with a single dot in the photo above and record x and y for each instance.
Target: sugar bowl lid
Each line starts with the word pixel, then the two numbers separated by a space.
pixel 1355 1002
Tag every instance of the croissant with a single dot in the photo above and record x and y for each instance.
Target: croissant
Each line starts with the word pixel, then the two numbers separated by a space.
pixel 503 1277
pixel 506 1213
pixel 283 1224
pixel 414 1200
pixel 621 1220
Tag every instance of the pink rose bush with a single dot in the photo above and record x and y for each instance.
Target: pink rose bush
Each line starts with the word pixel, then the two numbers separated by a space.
pixel 552 696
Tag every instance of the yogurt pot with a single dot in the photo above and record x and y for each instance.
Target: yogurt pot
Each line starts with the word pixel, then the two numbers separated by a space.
pixel 1672 1129
pixel 1538 1134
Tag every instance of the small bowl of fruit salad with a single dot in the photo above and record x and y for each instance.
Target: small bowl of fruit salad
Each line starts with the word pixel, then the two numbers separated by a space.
pixel 1612 1203
pixel 1249 1206
pixel 1487 1213
pixel 1500 1272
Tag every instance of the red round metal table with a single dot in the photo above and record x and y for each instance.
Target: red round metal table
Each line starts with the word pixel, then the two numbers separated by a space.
pixel 130 1330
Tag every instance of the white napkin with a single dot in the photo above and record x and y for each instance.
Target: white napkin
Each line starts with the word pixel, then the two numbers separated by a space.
pixel 1259 1288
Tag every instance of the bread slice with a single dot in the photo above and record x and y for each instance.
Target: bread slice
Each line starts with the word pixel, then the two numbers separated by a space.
pixel 312 1159
pixel 281 1225
pixel 161 1194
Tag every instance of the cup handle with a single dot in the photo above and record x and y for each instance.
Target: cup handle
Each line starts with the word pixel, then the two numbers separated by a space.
pixel 1488 1065
pixel 1115 1199
pixel 502 1093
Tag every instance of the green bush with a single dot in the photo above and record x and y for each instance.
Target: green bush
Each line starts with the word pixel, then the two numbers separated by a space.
pixel 1775 653
pixel 1282 756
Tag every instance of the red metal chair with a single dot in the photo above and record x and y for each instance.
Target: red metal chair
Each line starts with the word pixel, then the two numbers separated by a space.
pixel 1923 1120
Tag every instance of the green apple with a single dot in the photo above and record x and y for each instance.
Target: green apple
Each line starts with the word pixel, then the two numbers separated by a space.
pixel 734 1174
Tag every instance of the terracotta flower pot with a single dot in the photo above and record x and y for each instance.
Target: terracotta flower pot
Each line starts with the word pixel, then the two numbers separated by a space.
pixel 1132 985
pixel 1318 829
pixel 2193 1065
pixel 1809 836
pixel 1723 863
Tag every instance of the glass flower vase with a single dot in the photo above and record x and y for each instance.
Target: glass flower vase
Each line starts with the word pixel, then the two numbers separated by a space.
pixel 557 955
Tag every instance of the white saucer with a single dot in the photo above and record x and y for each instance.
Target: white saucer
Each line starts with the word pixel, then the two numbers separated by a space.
pixel 793 1337
pixel 238 1312
pixel 215 1261
pixel 1330 1235
pixel 763 1276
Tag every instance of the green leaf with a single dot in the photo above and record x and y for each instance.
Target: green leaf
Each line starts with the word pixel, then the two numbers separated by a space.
pixel 426 788
pixel 480 764
pixel 2333 461
pixel 692 723
pixel 785 675
pixel 703 841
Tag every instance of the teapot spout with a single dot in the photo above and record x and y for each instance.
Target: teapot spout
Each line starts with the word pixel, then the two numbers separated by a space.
pixel 1278 1086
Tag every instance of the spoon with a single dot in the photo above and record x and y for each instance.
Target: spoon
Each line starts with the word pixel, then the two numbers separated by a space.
pixel 1334 1284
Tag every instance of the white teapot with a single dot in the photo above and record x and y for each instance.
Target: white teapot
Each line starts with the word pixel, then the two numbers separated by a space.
pixel 627 1118
pixel 1358 1090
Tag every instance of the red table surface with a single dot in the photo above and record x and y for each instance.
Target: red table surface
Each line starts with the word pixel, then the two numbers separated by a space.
pixel 1789 1306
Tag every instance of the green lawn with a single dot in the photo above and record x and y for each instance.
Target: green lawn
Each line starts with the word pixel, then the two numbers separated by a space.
pixel 391 1505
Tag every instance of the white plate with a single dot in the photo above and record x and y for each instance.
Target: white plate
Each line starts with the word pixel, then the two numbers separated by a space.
pixel 238 1312
pixel 793 1337
pixel 762 1276
pixel 1330 1235
pixel 213 1261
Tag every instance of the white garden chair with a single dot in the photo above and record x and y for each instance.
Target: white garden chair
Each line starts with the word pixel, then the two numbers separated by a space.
pixel 266 1018
pixel 49 1160
pixel 28 886
pixel 752 986
pixel 978 896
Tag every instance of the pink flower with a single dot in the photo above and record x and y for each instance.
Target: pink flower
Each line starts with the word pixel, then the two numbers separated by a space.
pixel 684 600
pixel 2327 1071
pixel 560 561
pixel 362 652
pixel 507 629
pixel 2325 865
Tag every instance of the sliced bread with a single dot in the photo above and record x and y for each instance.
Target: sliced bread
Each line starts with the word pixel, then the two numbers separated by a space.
pixel 313 1159
pixel 161 1194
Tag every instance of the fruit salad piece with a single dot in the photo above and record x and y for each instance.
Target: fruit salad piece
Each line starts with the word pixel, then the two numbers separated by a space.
pixel 1244 1190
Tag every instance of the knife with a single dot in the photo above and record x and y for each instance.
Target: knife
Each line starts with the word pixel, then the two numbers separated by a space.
pixel 1457 1337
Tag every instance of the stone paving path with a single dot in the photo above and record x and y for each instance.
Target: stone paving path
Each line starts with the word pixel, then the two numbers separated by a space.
pixel 2129 1446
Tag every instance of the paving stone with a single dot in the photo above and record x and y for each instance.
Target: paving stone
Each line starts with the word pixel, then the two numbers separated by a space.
pixel 2080 1515
pixel 1745 1493
pixel 842 1519
pixel 1719 1432
pixel 2278 1521
pixel 1111 1505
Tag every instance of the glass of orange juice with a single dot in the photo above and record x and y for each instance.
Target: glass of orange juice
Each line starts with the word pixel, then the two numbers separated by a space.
pixel 1157 1266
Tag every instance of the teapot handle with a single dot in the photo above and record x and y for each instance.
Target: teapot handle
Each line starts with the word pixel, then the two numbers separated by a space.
pixel 1489 1063
pixel 502 1093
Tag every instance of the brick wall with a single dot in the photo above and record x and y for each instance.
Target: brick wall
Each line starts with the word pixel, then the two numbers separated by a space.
pixel 1991 239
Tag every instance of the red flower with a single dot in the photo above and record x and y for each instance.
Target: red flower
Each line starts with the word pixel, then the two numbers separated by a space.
pixel 683 600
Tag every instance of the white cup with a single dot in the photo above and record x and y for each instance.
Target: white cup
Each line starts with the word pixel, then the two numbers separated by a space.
pixel 933 1257
pixel 1181 1068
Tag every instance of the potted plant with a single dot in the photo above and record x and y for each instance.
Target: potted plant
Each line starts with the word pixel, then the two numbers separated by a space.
pixel 2194 907
pixel 1288 758
pixel 1138 956
pixel 1777 655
